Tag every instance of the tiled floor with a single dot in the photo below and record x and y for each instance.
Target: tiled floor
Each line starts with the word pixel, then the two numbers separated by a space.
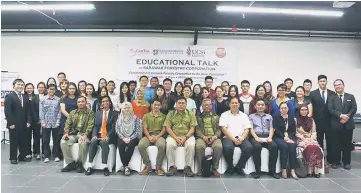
pixel 38 177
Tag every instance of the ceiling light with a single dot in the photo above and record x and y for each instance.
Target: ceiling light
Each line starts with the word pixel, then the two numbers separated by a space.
pixel 279 11
pixel 45 7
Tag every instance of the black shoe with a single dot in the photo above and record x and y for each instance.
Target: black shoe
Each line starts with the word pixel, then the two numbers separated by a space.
pixel 256 175
pixel 69 167
pixel 13 161
pixel 334 166
pixel 309 175
pixel 79 167
pixel 274 175
pixel 347 166
pixel 317 175
pixel 106 172
pixel 188 172
pixel 229 171
pixel 240 171
pixel 89 171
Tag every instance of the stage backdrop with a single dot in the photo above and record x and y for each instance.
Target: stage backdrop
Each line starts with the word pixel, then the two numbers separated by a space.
pixel 178 63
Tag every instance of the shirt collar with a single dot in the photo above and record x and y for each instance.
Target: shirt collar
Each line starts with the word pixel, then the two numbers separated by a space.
pixel 260 115
pixel 181 113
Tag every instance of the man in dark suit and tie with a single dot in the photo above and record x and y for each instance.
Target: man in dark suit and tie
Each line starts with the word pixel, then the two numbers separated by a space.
pixel 18 119
pixel 319 99
pixel 342 107
pixel 103 131
pixel 167 83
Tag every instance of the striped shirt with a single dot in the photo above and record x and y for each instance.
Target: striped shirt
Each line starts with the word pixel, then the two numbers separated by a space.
pixel 49 111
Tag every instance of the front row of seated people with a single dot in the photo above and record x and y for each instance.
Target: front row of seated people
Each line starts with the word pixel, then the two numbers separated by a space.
pixel 184 129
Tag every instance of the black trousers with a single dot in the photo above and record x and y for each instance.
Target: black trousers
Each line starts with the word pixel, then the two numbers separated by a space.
pixel 33 134
pixel 342 141
pixel 323 133
pixel 256 154
pixel 93 148
pixel 228 150
pixel 126 150
pixel 288 153
pixel 54 132
pixel 18 140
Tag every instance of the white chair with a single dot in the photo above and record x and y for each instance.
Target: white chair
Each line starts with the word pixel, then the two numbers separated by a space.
pixel 300 155
pixel 134 164
pixel 97 162
pixel 208 151
pixel 264 163
pixel 180 159
pixel 153 152
pixel 236 156
pixel 75 153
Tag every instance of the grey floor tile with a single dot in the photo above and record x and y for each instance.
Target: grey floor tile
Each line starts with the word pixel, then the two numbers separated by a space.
pixel 330 191
pixel 36 190
pixel 205 191
pixel 86 183
pixel 56 171
pixel 122 191
pixel 320 184
pixel 167 191
pixel 282 185
pixel 203 184
pixel 350 184
pixel 244 185
pixel 8 168
pixel 7 189
pixel 248 191
pixel 49 181
pixel 357 172
pixel 31 170
pixel 164 183
pixel 125 184
pixel 15 180
pixel 339 173
pixel 78 190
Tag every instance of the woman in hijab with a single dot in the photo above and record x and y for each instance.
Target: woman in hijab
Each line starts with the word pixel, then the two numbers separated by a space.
pixel 128 130
pixel 140 106
pixel 307 140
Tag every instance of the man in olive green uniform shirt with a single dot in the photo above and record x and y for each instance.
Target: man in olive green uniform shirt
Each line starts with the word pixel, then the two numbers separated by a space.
pixel 208 134
pixel 154 131
pixel 180 124
pixel 78 125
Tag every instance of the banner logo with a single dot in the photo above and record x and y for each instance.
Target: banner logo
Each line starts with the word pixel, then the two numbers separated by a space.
pixel 157 52
pixel 221 52
pixel 134 52
pixel 195 52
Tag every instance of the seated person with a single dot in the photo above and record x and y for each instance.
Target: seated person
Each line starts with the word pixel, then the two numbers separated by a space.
pixel 153 135
pixel 235 126
pixel 78 125
pixel 127 129
pixel 208 134
pixel 180 124
pixel 285 138
pixel 262 133
pixel 102 134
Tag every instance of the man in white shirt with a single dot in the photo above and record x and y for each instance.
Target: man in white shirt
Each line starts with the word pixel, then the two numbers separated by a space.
pixel 113 96
pixel 235 126
pixel 245 96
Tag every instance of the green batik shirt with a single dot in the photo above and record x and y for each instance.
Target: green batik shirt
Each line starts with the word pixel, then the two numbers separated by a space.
pixel 208 128
pixel 154 124
pixel 84 120
pixel 180 122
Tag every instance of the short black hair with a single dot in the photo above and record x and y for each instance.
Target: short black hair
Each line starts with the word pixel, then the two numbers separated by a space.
pixel 225 82
pixel 288 79
pixel 188 79
pixel 111 81
pixel 144 76
pixel 245 82
pixel 338 80
pixel 187 86
pixel 301 87
pixel 156 100
pixel 106 96
pixel 182 98
pixel 284 102
pixel 281 86
pixel 233 97
pixel 208 77
pixel 18 80
pixel 81 96
pixel 307 81
pixel 155 78
pixel 62 73
pixel 167 79
pixel 133 82
pixel 321 76
pixel 259 99
pixel 51 85
pixel 43 83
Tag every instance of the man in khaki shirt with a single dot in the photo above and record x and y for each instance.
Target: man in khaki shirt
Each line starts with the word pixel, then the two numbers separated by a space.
pixel 154 135
pixel 180 124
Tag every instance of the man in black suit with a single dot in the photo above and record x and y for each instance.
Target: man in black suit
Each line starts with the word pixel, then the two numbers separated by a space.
pixel 342 107
pixel 319 99
pixel 103 131
pixel 167 83
pixel 18 119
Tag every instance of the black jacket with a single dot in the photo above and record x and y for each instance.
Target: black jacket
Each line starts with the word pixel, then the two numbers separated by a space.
pixel 112 119
pixel 15 113
pixel 348 107
pixel 280 127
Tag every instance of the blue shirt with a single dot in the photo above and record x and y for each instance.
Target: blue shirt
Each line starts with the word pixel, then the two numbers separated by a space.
pixel 148 94
pixel 49 112
pixel 276 108
pixel 261 124
pixel 70 104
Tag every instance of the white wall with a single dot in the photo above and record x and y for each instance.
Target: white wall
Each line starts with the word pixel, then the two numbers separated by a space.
pixel 92 56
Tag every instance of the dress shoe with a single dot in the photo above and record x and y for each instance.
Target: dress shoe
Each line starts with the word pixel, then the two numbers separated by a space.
pixel 229 171
pixel 347 166
pixel 79 167
pixel 69 167
pixel 274 175
pixel 146 170
pixel 216 173
pixel 239 171
pixel 334 166
pixel 256 175
pixel 89 171
pixel 188 172
pixel 160 172
pixel 14 162
pixel 106 172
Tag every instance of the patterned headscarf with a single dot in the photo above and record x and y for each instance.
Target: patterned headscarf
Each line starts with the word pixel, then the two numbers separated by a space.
pixel 125 125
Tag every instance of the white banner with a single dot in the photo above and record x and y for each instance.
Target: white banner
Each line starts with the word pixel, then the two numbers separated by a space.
pixel 178 63
pixel 7 79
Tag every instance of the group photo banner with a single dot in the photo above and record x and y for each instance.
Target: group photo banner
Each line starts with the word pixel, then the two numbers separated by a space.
pixel 178 63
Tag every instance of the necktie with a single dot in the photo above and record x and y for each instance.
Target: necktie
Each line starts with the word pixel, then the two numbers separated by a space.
pixel 341 98
pixel 103 131
pixel 21 99
pixel 323 97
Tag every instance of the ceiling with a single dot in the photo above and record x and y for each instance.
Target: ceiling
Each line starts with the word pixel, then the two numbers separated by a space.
pixel 182 15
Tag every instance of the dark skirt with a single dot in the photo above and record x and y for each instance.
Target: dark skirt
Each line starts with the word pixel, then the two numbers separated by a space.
pixel 313 156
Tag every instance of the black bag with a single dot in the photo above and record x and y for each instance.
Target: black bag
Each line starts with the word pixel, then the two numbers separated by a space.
pixel 301 168
pixel 207 166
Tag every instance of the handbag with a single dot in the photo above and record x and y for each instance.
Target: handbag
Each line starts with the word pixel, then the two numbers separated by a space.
pixel 207 166
pixel 301 168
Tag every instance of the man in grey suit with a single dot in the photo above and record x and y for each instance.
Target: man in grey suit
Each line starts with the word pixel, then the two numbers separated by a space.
pixel 103 131
pixel 342 107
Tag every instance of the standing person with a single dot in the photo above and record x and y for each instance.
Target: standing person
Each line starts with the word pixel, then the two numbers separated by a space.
pixel 63 86
pixel 90 95
pixel 167 83
pixel 97 104
pixel 307 85
pixel 61 76
pixel 154 81
pixel 147 92
pixel 260 94
pixel 82 88
pixel 321 115
pixel 269 93
pixel 197 96
pixel 233 92
pixel 139 105
pixel 219 104
pixel 127 129
pixel 33 132
pixel 102 135
pixel 165 102
pixel 178 91
pixel 208 81
pixel 114 97
pixel 52 80
pixel 188 81
pixel 124 95
pixel 50 113
pixel 191 104
pixel 101 83
pixel 245 96
pixel 18 119
pixel 342 107
pixel 289 93
pixel 41 90
pixel 235 126
pixel 132 86
pixel 225 88
pixel 281 97
pixel 300 99
pixel 78 126
pixel 180 125
pixel 153 135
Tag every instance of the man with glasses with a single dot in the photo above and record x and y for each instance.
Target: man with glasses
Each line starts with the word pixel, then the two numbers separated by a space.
pixel 307 85
pixel 342 107
pixel 245 96
pixel 225 88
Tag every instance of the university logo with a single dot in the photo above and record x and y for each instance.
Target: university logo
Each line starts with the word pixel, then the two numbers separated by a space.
pixel 155 52
pixel 135 51
pixel 195 52
pixel 167 52
pixel 221 52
